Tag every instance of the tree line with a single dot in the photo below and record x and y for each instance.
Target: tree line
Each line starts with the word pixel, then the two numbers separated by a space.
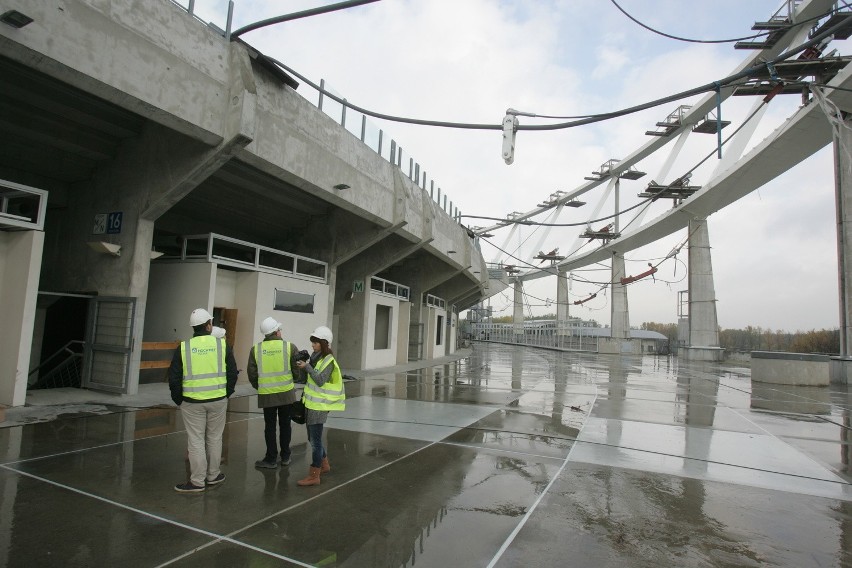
pixel 758 339
pixel 749 339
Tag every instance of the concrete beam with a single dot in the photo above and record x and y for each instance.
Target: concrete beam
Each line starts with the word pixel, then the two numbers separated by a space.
pixel 239 130
pixel 362 242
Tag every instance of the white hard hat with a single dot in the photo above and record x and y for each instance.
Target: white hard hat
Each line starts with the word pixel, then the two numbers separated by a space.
pixel 218 332
pixel 199 316
pixel 269 325
pixel 323 332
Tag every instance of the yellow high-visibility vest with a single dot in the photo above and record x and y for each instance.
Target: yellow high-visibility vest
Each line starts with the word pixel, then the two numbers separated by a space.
pixel 330 396
pixel 204 374
pixel 273 366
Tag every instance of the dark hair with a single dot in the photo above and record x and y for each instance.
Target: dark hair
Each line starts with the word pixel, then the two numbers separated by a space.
pixel 325 348
pixel 200 328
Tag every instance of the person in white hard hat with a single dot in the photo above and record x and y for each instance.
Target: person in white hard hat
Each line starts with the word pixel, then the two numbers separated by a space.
pixel 270 369
pixel 202 376
pixel 323 394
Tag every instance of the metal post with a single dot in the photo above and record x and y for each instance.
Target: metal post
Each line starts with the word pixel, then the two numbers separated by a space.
pixel 432 190
pixel 322 90
pixel 410 168
pixel 364 127
pixel 392 155
pixel 417 174
pixel 343 115
pixel 380 143
pixel 617 187
pixel 191 7
pixel 230 20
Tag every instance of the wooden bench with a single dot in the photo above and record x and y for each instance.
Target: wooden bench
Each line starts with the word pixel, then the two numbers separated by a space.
pixel 157 355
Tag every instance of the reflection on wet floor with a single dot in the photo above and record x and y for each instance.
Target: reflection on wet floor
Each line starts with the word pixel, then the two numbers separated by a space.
pixel 511 456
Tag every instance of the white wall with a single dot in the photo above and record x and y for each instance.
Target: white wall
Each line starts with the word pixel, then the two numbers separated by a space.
pixel 225 294
pixel 404 330
pixel 439 350
pixel 431 348
pixel 174 290
pixel 376 358
pixel 20 268
pixel 255 297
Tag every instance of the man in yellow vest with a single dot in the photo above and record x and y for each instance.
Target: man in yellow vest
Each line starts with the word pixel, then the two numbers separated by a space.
pixel 271 366
pixel 202 376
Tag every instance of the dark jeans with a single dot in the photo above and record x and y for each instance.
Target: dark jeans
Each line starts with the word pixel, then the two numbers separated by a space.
pixel 318 451
pixel 281 414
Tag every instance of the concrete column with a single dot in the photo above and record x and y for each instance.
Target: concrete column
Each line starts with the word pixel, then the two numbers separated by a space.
pixel 703 325
pixel 619 316
pixel 518 313
pixel 562 314
pixel 843 199
pixel 841 367
pixel 20 267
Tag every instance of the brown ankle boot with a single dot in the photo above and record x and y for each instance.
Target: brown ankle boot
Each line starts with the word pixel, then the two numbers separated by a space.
pixel 313 477
pixel 325 467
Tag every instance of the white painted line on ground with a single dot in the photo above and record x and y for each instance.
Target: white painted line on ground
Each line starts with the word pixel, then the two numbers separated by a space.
pixel 523 521
pixel 156 517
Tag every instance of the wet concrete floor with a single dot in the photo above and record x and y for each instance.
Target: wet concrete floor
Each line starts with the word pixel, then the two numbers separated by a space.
pixel 515 456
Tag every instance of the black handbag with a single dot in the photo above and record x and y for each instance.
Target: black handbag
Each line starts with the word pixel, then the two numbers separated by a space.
pixel 297 412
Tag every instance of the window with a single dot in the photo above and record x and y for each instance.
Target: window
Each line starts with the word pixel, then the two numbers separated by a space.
pixel 383 327
pixel 293 301
pixel 439 332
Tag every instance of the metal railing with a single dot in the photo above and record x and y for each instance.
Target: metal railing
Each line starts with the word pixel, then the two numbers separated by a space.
pixel 243 254
pixel 360 126
pixel 434 301
pixel 390 288
pixel 65 372
pixel 570 337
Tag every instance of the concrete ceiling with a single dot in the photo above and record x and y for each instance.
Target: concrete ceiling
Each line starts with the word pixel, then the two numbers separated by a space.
pixel 56 136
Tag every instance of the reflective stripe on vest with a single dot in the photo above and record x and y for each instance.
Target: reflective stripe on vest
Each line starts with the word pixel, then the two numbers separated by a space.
pixel 204 374
pixel 273 366
pixel 330 396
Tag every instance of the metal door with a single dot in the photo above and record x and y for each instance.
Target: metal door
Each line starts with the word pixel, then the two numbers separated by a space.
pixel 109 343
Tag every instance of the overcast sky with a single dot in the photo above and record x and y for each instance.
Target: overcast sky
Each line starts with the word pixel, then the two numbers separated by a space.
pixel 774 251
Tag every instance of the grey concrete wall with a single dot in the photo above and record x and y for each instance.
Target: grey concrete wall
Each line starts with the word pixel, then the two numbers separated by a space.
pixel 175 290
pixel 562 304
pixel 618 346
pixel 351 329
pixel 790 368
pixel 150 57
pixel 703 324
pixel 619 310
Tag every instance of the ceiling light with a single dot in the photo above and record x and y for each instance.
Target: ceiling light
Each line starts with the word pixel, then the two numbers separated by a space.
pixel 341 186
pixel 15 19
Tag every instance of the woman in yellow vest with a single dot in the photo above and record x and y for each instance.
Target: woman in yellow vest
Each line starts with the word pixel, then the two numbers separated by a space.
pixel 323 393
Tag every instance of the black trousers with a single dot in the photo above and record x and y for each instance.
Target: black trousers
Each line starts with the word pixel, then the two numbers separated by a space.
pixel 276 420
